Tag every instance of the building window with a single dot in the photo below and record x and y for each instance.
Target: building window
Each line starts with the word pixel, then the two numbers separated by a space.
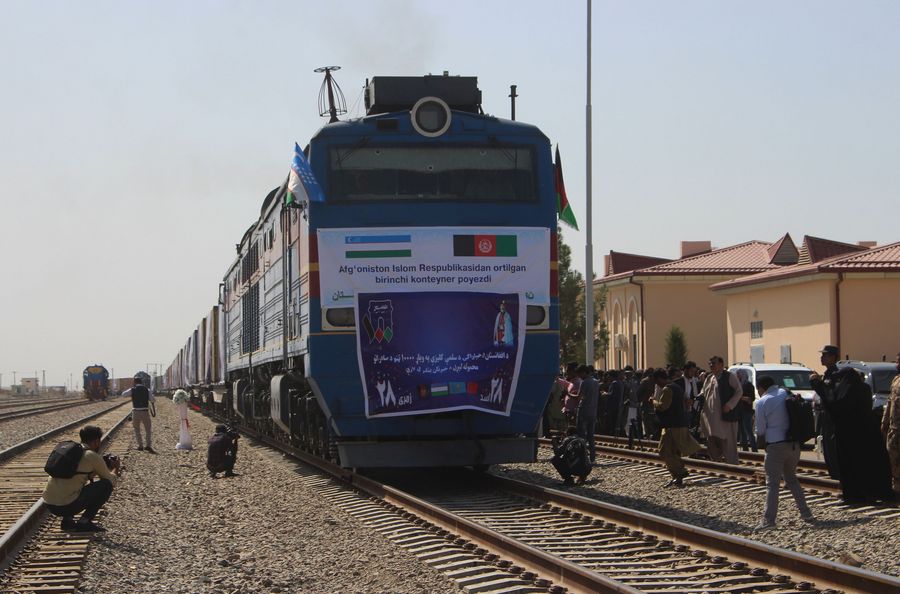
pixel 756 330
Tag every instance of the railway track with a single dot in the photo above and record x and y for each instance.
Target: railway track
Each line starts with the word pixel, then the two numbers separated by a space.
pixel 749 475
pixel 492 534
pixel 7 404
pixel 19 412
pixel 35 556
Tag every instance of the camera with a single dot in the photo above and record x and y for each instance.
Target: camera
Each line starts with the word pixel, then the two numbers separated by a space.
pixel 111 460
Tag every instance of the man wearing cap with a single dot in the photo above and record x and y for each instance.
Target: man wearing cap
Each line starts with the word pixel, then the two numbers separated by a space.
pixel 830 355
pixel 859 450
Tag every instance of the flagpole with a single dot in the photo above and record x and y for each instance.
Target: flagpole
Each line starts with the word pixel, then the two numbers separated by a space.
pixel 589 248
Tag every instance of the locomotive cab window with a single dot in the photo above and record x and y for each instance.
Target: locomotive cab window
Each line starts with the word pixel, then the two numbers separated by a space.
pixel 489 174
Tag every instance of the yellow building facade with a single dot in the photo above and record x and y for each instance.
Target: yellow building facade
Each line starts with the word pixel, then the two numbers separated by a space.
pixel 850 300
pixel 754 302
pixel 646 297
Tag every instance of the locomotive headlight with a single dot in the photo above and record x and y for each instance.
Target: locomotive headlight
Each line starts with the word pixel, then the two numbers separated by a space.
pixel 430 116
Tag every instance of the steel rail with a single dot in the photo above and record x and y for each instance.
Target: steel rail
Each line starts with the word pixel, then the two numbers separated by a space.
pixel 29 443
pixel 798 565
pixel 16 414
pixel 560 571
pixel 37 513
pixel 41 401
pixel 744 472
pixel 805 464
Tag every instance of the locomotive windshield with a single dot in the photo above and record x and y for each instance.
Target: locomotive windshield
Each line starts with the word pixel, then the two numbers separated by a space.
pixel 486 174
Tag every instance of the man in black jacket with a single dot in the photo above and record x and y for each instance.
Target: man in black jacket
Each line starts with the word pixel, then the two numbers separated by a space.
pixel 675 440
pixel 860 455
pixel 140 411
pixel 829 356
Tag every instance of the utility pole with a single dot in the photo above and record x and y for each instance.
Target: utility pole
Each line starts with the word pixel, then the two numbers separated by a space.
pixel 589 247
pixel 14 377
pixel 43 380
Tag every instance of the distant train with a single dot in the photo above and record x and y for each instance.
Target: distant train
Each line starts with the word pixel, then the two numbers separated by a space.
pixel 395 303
pixel 96 382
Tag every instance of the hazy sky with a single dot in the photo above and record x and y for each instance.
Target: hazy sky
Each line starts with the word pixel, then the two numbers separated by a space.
pixel 138 139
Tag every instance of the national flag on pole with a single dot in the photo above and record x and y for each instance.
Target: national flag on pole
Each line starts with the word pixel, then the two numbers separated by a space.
pixel 563 208
pixel 302 184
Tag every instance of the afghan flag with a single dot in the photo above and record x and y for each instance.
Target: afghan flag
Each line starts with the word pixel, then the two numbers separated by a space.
pixel 485 245
pixel 563 208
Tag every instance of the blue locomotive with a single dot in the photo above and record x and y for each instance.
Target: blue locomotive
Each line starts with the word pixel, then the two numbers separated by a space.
pixel 96 382
pixel 396 304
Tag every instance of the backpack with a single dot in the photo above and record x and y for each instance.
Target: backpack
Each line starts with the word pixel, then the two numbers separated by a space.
pixel 575 452
pixel 801 423
pixel 219 446
pixel 63 460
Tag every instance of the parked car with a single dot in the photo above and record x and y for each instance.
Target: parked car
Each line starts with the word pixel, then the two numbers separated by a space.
pixel 791 376
pixel 879 376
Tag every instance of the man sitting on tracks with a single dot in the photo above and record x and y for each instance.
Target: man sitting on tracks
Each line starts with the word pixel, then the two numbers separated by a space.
pixel 66 496
pixel 222 452
pixel 570 457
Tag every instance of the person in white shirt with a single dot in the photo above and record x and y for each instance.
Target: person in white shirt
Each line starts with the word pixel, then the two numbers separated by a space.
pixel 782 454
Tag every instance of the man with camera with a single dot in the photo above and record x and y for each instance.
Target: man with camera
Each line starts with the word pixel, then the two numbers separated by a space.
pixel 65 496
pixel 222 452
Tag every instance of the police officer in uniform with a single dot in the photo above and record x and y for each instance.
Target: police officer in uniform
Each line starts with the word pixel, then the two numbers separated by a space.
pixel 830 355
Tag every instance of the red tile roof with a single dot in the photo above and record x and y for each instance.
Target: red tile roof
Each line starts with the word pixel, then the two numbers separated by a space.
pixel 816 249
pixel 744 258
pixel 621 262
pixel 878 259
pixel 886 257
pixel 783 251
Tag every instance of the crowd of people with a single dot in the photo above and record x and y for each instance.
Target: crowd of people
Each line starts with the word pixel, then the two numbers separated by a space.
pixel 680 407
pixel 685 408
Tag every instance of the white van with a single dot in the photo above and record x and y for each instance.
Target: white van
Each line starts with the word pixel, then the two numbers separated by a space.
pixel 790 376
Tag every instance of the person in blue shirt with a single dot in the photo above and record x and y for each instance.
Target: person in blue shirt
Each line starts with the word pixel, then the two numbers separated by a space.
pixel 782 454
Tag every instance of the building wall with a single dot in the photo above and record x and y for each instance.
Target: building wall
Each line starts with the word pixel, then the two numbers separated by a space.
pixel 623 317
pixel 870 316
pixel 690 305
pixel 799 315
pixel 686 302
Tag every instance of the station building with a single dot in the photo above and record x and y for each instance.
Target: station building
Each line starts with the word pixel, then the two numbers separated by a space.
pixel 712 295
pixel 837 293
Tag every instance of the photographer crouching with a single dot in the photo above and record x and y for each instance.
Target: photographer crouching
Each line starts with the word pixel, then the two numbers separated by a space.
pixel 222 452
pixel 69 490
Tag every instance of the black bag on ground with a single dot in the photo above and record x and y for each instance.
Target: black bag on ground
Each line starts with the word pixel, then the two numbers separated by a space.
pixel 801 422
pixel 63 460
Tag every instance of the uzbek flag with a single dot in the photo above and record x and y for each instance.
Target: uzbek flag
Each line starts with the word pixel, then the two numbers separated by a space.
pixel 563 208
pixel 302 184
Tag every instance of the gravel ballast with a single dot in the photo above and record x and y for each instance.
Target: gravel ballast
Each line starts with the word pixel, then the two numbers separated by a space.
pixel 173 528
pixel 15 431
pixel 839 534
